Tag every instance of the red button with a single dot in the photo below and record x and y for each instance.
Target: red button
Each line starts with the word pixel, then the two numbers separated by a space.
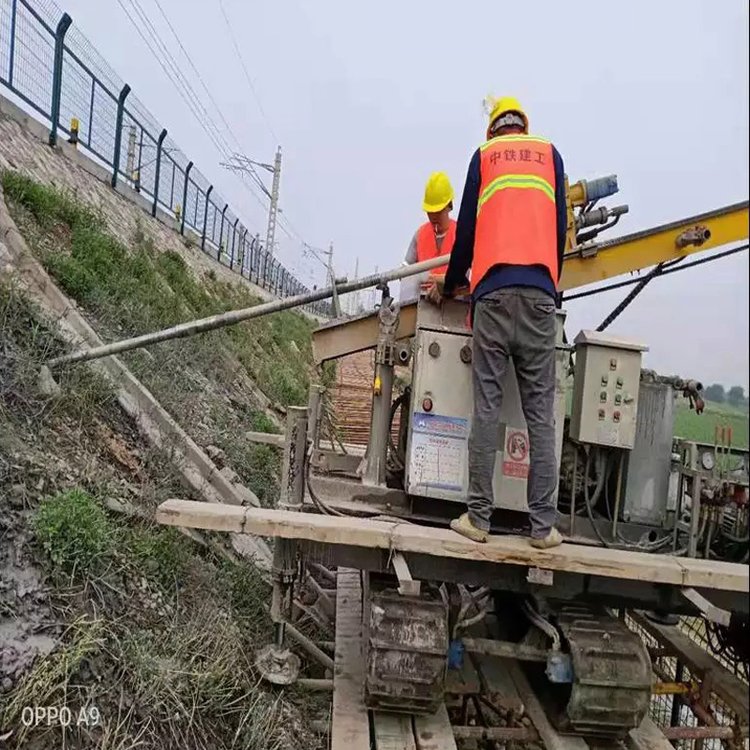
pixel 427 404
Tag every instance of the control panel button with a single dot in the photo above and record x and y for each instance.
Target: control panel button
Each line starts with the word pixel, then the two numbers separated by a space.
pixel 619 382
pixel 613 364
pixel 603 396
pixel 605 380
pixel 618 399
pixel 601 415
pixel 616 416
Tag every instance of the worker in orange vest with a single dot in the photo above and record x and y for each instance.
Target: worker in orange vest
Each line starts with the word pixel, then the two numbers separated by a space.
pixel 511 234
pixel 435 237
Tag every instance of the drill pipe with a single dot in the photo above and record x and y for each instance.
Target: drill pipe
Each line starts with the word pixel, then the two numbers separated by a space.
pixel 237 316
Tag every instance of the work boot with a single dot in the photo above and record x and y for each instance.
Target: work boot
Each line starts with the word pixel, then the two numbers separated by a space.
pixel 553 539
pixel 463 525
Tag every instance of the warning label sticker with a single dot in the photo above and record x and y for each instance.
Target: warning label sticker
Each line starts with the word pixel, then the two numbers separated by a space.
pixel 438 451
pixel 516 454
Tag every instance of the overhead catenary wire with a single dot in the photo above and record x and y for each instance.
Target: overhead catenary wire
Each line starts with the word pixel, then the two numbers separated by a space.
pixel 171 68
pixel 169 65
pixel 250 83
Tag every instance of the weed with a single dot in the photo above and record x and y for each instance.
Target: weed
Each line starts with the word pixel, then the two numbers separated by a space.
pixel 260 422
pixel 74 531
pixel 160 553
pixel 48 205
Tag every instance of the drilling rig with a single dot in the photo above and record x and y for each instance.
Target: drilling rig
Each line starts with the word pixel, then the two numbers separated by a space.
pixel 562 646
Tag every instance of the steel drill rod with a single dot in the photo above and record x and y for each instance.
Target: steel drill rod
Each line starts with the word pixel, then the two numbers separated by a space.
pixel 248 313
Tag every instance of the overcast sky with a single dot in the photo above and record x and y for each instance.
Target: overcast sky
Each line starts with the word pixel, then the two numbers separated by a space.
pixel 366 99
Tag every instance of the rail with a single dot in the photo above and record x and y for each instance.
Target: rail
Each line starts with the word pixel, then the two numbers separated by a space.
pixel 53 69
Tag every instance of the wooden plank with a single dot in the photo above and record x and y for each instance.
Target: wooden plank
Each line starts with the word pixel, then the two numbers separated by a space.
pixel 393 731
pixel 269 438
pixel 434 732
pixel 734 692
pixel 407 586
pixel 710 611
pixel 412 537
pixel 648 737
pixel 534 710
pixel 350 729
pixel 339 338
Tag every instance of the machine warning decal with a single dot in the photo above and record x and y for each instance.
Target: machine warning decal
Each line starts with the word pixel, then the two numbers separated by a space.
pixel 438 446
pixel 516 459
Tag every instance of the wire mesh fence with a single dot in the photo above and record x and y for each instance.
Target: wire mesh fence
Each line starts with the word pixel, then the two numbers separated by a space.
pixel 673 710
pixel 53 69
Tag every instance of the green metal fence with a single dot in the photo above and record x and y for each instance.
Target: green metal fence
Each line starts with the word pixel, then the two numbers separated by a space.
pixel 54 70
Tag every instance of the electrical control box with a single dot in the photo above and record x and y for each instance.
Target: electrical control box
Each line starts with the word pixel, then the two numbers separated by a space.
pixel 605 390
pixel 442 407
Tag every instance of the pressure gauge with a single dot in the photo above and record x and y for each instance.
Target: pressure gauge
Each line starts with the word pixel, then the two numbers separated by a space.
pixel 708 461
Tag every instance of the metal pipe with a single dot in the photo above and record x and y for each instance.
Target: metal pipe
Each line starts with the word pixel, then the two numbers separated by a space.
pixel 238 316
pixel 703 733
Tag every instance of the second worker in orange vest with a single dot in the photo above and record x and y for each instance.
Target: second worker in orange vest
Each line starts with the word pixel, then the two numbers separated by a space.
pixel 433 238
pixel 511 234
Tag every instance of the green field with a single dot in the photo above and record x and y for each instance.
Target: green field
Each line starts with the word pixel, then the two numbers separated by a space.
pixel 700 427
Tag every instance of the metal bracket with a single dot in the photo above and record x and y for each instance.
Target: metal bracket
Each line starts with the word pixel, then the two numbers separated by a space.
pixel 407 586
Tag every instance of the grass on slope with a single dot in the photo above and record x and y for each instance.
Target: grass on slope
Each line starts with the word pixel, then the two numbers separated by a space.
pixel 205 381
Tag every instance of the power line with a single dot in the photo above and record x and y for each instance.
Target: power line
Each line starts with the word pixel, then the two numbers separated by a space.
pixel 183 87
pixel 247 74
pixel 195 104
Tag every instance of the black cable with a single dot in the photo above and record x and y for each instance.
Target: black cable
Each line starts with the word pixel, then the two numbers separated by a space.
pixel 639 287
pixel 665 272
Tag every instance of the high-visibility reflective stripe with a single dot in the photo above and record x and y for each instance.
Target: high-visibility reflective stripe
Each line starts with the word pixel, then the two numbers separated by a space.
pixel 522 181
pixel 511 139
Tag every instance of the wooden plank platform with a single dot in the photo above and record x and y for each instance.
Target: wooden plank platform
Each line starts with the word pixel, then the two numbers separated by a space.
pixel 350 728
pixel 393 731
pixel 411 537
pixel 434 732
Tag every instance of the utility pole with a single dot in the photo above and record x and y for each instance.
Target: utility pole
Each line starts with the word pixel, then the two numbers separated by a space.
pixel 274 206
pixel 242 163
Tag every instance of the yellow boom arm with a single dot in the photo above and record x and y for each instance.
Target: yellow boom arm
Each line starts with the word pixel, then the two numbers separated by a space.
pixel 587 264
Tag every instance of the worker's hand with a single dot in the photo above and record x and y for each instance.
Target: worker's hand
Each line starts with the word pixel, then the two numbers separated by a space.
pixel 435 294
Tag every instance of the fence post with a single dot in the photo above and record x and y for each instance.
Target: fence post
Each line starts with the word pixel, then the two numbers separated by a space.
pixel 184 196
pixel 157 175
pixel 242 249
pixel 62 26
pixel 256 250
pixel 205 218
pixel 221 231
pixel 118 132
pixel 234 235
pixel 12 52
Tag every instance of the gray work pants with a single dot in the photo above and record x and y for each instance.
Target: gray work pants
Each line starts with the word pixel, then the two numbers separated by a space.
pixel 515 322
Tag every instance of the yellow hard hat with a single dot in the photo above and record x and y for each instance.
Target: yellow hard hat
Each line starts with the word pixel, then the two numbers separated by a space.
pixel 507 104
pixel 438 193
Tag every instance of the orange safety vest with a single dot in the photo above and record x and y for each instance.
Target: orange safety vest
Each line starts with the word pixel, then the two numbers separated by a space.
pixel 427 244
pixel 516 215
